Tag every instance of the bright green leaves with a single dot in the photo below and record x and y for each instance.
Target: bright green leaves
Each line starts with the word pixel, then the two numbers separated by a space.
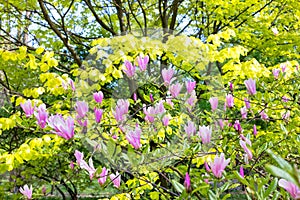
pixel 33 149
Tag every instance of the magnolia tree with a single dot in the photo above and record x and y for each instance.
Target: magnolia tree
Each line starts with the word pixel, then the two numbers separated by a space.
pixel 152 118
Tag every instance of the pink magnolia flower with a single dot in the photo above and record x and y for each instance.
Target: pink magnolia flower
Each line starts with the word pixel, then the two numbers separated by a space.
pixel 72 165
pixel 150 113
pixel 175 89
pixel 213 103
pixel 237 126
pixel 221 124
pixel 246 149
pixel 134 97
pixel 98 97
pixel 190 86
pixel 191 101
pixel 286 115
pixel 134 137
pixel 187 182
pixel 231 86
pixel 254 130
pixel 44 190
pixel 88 167
pixel 167 75
pixel 190 128
pixel 245 139
pixel 159 107
pixel 151 98
pixel 116 179
pixel 98 114
pixel 276 73
pixel 169 101
pixel 81 108
pixel 205 134
pixel 103 176
pixel 285 99
pixel 71 82
pixel 290 188
pixel 229 101
pixel 121 109
pixel 219 164
pixel 244 112
pixel 247 103
pixel 242 171
pixel 79 156
pixel 263 115
pixel 165 120
pixel 62 127
pixel 206 167
pixel 41 115
pixel 26 191
pixel 82 123
pixel 27 108
pixel 251 87
pixel 283 67
pixel 142 62
pixel 130 69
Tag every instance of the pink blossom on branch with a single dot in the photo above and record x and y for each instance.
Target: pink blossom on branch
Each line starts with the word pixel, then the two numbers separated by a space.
pixel 205 134
pixel 130 69
pixel 207 167
pixel 254 130
pixel 134 137
pixel 276 73
pixel 98 114
pixel 27 108
pixel 244 112
pixel 219 165
pixel 242 171
pixel 98 97
pixel 81 108
pixel 89 167
pixel 190 86
pixel 187 182
pixel 41 115
pixel 213 103
pixel 247 103
pixel 62 127
pixel 175 89
pixel 116 179
pixel 251 87
pixel 246 149
pixel 121 109
pixel 190 128
pixel 150 113
pixel 290 188
pixel 103 176
pixel 229 101
pixel 79 156
pixel 165 120
pixel 26 191
pixel 142 62
pixel 263 115
pixel 237 126
pixel 167 75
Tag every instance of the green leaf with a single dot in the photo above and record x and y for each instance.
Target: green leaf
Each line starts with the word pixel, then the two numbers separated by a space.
pixel 226 196
pixel 178 186
pixel 271 188
pixel 279 172
pixel 241 179
pixel 280 161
